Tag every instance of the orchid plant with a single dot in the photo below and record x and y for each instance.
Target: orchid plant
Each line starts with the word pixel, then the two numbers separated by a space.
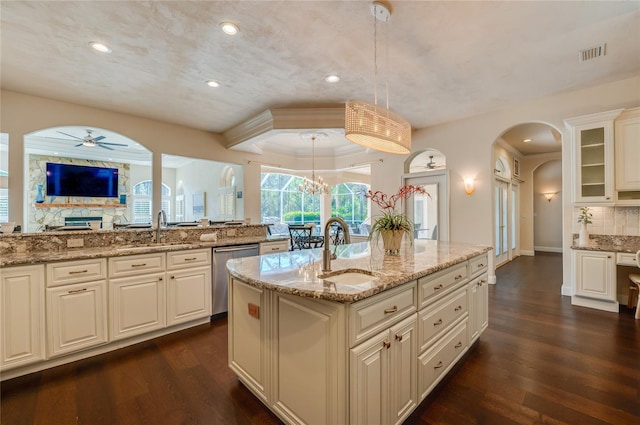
pixel 390 219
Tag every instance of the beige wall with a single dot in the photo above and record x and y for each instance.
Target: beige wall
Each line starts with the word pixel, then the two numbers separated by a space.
pixel 467 144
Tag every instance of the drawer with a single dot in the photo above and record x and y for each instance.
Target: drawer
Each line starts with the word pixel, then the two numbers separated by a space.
pixel 440 317
pixel 432 286
pixel 434 364
pixel 132 265
pixel 626 259
pixel 76 271
pixel 188 259
pixel 273 247
pixel 478 264
pixel 375 314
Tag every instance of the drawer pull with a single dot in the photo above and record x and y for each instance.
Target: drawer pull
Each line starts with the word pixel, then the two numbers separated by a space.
pixel 399 337
pixel 458 277
pixel 437 288
pixel 458 345
pixel 480 265
pixel 275 249
pixel 391 310
pixel 173 277
pixel 78 271
pixel 458 308
pixel 139 265
pixel 191 259
pixel 438 366
pixel 76 291
pixel 386 344
pixel 439 322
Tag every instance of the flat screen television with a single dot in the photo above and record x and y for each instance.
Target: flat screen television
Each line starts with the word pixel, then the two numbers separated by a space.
pixel 81 180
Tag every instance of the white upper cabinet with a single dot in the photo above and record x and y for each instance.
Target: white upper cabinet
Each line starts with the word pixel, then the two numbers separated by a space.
pixel 592 143
pixel 627 155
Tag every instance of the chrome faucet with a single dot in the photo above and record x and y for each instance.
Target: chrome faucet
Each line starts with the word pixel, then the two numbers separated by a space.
pixel 327 255
pixel 161 220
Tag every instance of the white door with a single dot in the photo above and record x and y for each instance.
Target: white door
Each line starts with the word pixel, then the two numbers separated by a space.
pixel 514 224
pixel 501 211
pixel 429 213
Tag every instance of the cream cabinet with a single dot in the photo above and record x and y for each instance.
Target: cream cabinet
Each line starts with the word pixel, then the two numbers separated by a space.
pixel 274 247
pixel 595 274
pixel 76 316
pixel 22 321
pixel 383 381
pixel 592 144
pixel 188 294
pixel 249 341
pixel 627 155
pixel 137 305
pixel 478 296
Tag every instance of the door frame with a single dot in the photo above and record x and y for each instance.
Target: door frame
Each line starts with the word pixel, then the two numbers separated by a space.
pixel 441 179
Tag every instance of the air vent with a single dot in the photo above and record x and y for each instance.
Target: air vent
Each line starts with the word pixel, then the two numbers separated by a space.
pixel 591 53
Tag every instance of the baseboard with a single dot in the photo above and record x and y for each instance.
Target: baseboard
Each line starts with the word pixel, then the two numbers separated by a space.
pixel 566 290
pixel 610 306
pixel 548 249
pixel 528 253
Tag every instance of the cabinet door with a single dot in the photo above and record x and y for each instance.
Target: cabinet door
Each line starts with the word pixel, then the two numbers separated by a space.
pixel 76 317
pixel 248 341
pixel 137 305
pixel 403 376
pixel 595 275
pixel 369 381
pixel 483 304
pixel 309 364
pixel 22 316
pixel 627 151
pixel 189 295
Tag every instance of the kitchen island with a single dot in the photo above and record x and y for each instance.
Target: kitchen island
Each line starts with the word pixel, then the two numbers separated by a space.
pixel 362 344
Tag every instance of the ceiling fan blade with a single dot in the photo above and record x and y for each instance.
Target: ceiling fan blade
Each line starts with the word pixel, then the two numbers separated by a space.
pixel 96 139
pixel 70 135
pixel 79 144
pixel 112 144
pixel 104 147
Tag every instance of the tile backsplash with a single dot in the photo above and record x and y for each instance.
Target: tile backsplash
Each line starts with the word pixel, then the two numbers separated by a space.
pixel 622 221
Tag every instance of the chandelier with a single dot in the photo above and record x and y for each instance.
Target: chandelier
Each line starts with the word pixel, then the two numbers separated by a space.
pixel 313 186
pixel 374 126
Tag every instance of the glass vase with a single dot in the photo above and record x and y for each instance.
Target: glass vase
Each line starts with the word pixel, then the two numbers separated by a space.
pixel 39 194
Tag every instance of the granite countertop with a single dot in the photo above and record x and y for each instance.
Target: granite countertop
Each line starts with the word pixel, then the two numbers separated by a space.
pixel 299 272
pixel 626 244
pixel 39 257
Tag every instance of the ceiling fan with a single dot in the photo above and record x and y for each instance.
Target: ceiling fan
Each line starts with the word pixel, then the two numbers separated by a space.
pixel 91 142
pixel 432 165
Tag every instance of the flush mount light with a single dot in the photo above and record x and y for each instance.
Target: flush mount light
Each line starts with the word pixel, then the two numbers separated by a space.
pixel 332 78
pixel 526 141
pixel 229 28
pixel 212 83
pixel 100 47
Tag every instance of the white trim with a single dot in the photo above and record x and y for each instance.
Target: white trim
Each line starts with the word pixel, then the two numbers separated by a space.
pixel 548 248
pixel 528 253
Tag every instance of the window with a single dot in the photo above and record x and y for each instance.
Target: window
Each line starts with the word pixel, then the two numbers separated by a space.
pixel 349 203
pixel 142 202
pixel 227 194
pixel 281 202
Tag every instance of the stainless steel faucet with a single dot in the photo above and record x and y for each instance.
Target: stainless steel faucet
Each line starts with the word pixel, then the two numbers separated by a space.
pixel 161 220
pixel 327 255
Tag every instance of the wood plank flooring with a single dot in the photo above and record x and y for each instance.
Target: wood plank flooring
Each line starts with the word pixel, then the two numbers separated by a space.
pixel 541 361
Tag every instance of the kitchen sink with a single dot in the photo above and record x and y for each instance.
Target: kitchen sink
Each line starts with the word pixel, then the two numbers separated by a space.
pixel 349 277
pixel 154 246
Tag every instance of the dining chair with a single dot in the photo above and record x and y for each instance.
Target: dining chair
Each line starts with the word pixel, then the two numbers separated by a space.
pixel 301 237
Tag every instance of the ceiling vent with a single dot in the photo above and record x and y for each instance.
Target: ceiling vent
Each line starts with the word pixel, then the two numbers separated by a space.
pixel 592 53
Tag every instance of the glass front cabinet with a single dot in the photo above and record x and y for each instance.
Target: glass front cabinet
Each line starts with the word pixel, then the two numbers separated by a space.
pixel 592 144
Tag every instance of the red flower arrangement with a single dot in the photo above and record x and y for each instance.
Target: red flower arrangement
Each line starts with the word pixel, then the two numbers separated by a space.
pixel 388 203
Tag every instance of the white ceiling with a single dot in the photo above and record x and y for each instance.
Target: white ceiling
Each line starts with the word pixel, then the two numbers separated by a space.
pixel 447 60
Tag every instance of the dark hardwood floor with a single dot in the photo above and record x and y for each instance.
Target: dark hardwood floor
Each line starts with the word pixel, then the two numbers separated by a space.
pixel 541 361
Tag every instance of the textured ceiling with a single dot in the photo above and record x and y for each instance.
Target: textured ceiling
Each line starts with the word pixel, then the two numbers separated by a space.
pixel 447 60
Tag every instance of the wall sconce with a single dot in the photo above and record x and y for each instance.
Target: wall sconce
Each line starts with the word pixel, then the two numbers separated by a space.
pixel 469 185
pixel 548 196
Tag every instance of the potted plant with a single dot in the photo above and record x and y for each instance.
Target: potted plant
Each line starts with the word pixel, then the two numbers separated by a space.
pixel 584 218
pixel 392 225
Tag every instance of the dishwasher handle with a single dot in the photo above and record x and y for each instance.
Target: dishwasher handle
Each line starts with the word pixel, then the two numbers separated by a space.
pixel 239 248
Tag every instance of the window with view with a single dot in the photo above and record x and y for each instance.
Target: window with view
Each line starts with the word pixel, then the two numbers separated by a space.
pixel 349 203
pixel 142 202
pixel 282 202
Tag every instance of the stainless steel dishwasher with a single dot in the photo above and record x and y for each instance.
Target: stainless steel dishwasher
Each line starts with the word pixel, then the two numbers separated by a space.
pixel 220 279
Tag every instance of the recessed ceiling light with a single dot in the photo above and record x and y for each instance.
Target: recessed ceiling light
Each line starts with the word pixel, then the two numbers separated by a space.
pixel 332 78
pixel 526 140
pixel 229 28
pixel 212 83
pixel 100 47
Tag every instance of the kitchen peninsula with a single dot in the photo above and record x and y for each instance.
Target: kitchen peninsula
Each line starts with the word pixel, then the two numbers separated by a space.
pixel 364 343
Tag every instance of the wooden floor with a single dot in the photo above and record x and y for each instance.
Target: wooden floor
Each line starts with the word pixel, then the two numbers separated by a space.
pixel 541 361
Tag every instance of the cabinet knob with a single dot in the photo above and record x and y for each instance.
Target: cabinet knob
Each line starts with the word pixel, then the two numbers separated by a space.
pixel 398 337
pixel 160 279
pixel 173 277
pixel 386 344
